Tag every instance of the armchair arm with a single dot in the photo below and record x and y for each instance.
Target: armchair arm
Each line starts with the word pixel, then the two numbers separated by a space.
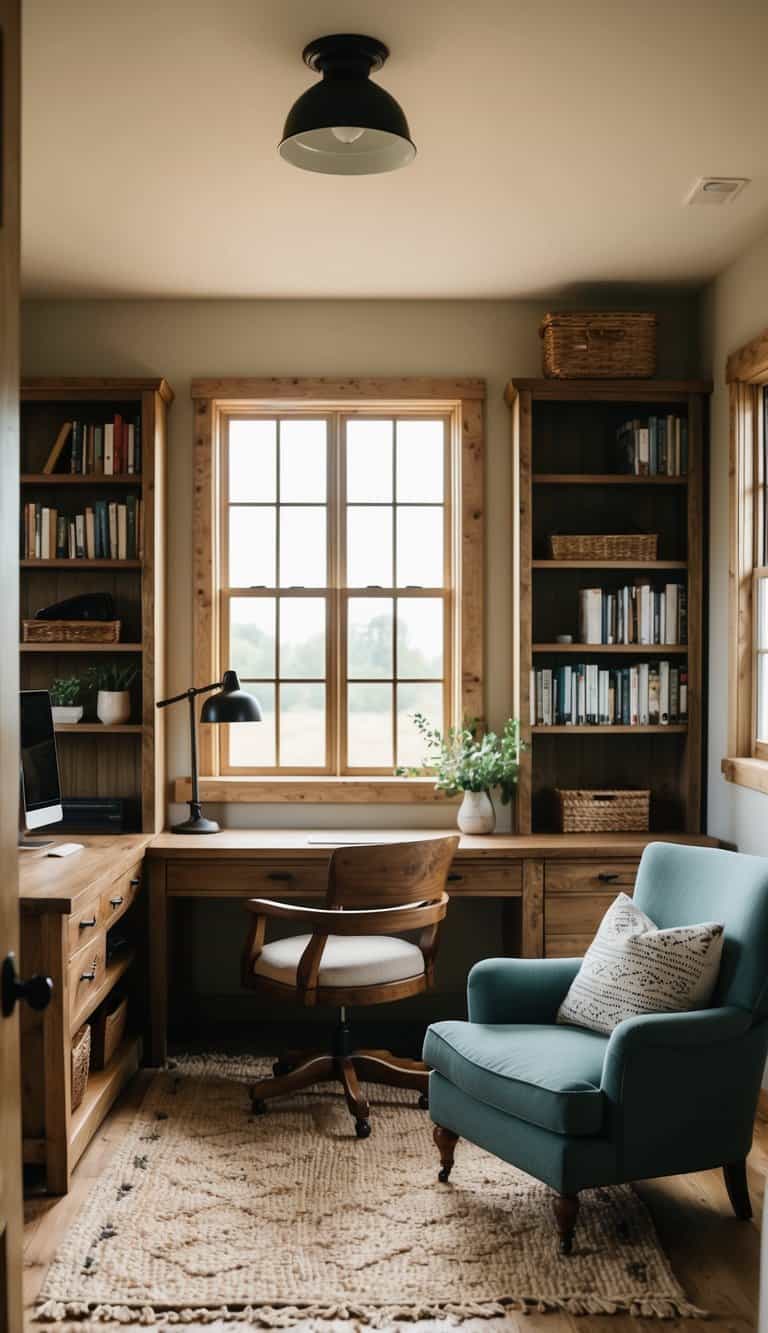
pixel 519 990
pixel 668 1033
pixel 353 921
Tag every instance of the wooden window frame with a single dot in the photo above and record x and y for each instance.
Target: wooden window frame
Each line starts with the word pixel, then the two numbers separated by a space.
pixel 746 376
pixel 463 401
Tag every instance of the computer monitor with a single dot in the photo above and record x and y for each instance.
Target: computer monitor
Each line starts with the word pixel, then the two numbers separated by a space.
pixel 40 786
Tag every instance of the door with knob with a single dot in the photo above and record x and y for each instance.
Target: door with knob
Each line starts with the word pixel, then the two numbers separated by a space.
pixel 10 1082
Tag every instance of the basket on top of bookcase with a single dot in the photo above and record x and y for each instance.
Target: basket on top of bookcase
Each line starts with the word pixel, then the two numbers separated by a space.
pixel 599 345
pixel 605 546
pixel 70 631
pixel 612 811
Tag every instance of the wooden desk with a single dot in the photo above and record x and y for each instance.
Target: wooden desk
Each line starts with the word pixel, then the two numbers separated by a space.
pixel 67 907
pixel 556 887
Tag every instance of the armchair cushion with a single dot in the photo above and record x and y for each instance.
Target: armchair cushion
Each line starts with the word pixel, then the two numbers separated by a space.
pixel 348 960
pixel 546 1075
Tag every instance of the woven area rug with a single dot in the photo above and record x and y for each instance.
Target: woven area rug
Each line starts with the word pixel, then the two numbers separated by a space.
pixel 209 1214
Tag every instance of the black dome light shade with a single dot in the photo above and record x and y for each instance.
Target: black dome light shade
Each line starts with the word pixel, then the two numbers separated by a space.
pixel 345 125
pixel 231 704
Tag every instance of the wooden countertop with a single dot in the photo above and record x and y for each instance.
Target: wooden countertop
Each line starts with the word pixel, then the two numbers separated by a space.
pixel 49 883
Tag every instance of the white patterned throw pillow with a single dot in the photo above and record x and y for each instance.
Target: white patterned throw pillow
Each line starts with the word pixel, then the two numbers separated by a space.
pixel 632 968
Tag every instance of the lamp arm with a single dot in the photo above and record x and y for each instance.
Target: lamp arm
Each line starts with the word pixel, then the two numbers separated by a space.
pixel 189 694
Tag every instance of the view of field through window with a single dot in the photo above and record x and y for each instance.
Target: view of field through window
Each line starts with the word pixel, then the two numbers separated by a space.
pixel 336 587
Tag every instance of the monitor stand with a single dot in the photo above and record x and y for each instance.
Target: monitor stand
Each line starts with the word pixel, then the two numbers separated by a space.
pixel 34 844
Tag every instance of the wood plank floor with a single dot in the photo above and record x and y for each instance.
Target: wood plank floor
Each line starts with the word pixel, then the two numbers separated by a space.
pixel 714 1256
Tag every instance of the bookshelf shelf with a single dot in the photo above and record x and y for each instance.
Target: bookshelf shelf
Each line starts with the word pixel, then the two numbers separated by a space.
pixel 568 437
pixel 603 479
pixel 88 418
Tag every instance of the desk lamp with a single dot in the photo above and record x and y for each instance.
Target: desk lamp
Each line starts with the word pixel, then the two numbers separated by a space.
pixel 231 704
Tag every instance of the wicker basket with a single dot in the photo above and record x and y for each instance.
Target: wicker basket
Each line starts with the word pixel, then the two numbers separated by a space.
pixel 70 631
pixel 108 1030
pixel 81 1057
pixel 604 811
pixel 592 345
pixel 613 546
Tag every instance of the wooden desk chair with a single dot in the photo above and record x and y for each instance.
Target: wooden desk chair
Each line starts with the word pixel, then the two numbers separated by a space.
pixel 351 957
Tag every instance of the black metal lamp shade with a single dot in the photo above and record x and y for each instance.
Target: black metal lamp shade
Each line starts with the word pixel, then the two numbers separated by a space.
pixel 231 704
pixel 345 125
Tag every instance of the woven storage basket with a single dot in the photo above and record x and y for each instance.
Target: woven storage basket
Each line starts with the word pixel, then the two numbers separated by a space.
pixel 613 546
pixel 604 811
pixel 108 1030
pixel 70 631
pixel 592 345
pixel 81 1057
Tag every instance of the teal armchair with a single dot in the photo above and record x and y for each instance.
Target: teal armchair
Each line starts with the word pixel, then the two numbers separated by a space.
pixel 662 1095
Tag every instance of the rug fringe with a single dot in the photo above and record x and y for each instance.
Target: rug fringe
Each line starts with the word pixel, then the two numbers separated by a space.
pixel 375 1316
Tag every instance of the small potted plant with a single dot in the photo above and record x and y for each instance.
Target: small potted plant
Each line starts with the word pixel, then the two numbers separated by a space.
pixel 64 694
pixel 112 685
pixel 464 760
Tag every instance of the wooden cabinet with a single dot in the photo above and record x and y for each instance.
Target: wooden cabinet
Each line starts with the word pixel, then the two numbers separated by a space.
pixel 577 895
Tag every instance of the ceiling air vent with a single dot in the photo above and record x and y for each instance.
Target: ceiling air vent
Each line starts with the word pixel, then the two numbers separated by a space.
pixel 716 189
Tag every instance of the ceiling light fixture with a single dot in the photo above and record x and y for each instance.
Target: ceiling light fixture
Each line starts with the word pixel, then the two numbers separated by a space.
pixel 345 125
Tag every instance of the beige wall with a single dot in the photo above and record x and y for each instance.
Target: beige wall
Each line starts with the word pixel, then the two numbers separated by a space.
pixel 734 309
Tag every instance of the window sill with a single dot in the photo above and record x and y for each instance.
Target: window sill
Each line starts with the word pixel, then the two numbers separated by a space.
pixel 746 773
pixel 314 791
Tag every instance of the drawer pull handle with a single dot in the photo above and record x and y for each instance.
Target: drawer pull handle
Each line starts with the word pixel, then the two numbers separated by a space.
pixel 115 902
pixel 606 878
pixel 89 976
pixel 455 879
pixel 86 925
pixel 284 875
pixel 134 884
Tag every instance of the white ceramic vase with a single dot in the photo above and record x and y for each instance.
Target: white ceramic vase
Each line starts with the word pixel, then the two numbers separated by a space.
pixel 476 813
pixel 113 706
pixel 66 714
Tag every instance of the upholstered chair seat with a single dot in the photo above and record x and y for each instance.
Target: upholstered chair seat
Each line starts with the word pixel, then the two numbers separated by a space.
pixel 347 960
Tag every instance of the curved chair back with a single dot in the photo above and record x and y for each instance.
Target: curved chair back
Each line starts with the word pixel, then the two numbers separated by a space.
pixel 390 874
pixel 679 885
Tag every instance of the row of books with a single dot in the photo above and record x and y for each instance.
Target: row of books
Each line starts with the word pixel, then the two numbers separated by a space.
pixel 636 613
pixel 586 694
pixel 94 450
pixel 103 531
pixel 657 447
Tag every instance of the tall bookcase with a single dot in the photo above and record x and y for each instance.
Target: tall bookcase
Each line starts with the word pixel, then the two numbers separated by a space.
pixel 125 761
pixel 565 461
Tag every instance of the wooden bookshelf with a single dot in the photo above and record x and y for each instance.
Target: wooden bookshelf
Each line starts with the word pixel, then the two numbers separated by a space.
pixel 564 436
pixel 128 761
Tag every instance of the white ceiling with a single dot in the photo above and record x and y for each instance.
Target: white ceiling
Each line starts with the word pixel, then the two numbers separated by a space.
pixel 557 140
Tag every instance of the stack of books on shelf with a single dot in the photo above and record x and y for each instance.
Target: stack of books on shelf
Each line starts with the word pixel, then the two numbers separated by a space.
pixel 636 613
pixel 657 447
pixel 648 694
pixel 102 450
pixel 103 531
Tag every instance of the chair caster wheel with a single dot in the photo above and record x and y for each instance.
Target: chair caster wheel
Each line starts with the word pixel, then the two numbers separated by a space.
pixel 362 1128
pixel 423 1102
pixel 258 1107
pixel 443 1174
pixel 281 1067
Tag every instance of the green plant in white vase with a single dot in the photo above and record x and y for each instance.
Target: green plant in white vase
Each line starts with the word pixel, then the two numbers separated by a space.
pixel 64 693
pixel 464 759
pixel 112 686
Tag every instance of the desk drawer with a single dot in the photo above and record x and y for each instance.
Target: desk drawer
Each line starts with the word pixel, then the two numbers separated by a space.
pixel 608 876
pixel 243 879
pixel 84 926
pixel 86 973
pixel 574 914
pixel 485 879
pixel 116 900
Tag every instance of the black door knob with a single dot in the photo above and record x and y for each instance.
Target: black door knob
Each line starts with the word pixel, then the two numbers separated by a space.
pixel 37 991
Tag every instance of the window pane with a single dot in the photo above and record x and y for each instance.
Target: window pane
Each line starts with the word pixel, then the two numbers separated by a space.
pixel 303 474
pixel 252 460
pixel 302 547
pixel 420 457
pixel 762 697
pixel 302 637
pixel 426 699
pixel 762 613
pixel 302 726
pixel 369 726
pixel 369 547
pixel 420 547
pixel 252 636
pixel 419 637
pixel 369 460
pixel 252 744
pixel 251 547
pixel 369 637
